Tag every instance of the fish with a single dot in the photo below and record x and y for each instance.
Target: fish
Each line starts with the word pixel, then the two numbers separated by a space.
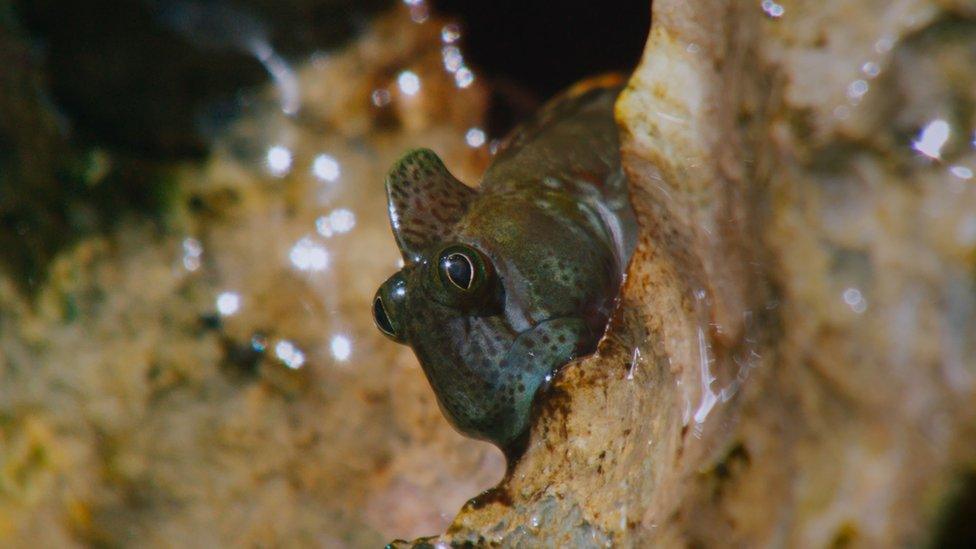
pixel 504 284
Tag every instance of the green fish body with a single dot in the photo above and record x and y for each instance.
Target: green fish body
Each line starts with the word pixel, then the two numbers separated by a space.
pixel 503 285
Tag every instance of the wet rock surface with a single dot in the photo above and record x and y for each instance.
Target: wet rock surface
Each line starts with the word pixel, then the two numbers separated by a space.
pixel 792 362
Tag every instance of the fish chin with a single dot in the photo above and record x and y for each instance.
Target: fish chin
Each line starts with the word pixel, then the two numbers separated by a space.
pixel 533 357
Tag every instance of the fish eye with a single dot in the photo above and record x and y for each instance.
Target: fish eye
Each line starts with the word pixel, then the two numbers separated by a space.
pixel 382 318
pixel 464 270
pixel 459 270
pixel 462 277
pixel 387 307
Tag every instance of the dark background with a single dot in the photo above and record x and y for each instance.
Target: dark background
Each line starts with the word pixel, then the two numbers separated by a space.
pixel 545 46
pixel 127 77
pixel 102 98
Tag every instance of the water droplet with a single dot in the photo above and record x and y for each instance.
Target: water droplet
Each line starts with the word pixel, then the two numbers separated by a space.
pixel 453 60
pixel 339 221
pixel 450 33
pixel 279 160
pixel 326 168
pixel 409 83
pixel 475 137
pixel 857 89
pixel 773 9
pixel 871 69
pixel 962 172
pixel 884 44
pixel 419 12
pixel 463 77
pixel 341 347
pixel 306 255
pixel 289 354
pixel 228 303
pixel 855 300
pixel 380 97
pixel 932 138
pixel 192 250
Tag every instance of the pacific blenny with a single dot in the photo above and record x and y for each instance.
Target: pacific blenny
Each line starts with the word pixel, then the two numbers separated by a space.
pixel 503 285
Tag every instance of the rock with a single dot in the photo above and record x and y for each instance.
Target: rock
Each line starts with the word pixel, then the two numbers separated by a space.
pixel 793 361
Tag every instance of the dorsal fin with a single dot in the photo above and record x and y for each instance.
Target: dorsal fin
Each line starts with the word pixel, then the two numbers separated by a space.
pixel 425 201
pixel 572 138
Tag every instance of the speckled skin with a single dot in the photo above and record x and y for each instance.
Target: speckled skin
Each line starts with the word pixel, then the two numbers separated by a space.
pixel 553 226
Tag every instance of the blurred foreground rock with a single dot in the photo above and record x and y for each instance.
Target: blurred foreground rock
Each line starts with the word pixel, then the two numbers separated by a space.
pixel 214 378
pixel 793 363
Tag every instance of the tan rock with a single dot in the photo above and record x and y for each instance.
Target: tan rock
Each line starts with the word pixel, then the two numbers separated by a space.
pixel 793 361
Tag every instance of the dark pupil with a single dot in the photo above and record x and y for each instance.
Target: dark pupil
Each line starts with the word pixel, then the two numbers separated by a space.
pixel 382 320
pixel 459 270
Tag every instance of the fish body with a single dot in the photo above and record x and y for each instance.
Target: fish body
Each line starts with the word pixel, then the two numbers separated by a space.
pixel 504 284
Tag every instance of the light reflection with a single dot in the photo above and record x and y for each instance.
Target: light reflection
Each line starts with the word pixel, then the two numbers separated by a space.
pixel 709 398
pixel 419 12
pixel 871 69
pixel 966 232
pixel 400 291
pixel 259 343
pixel 475 137
pixel 326 168
pixel 855 300
pixel 279 160
pixel 884 45
pixel 380 97
pixel 450 33
pixel 772 9
pixel 228 303
pixel 932 138
pixel 192 250
pixel 635 358
pixel 289 354
pixel 857 89
pixel 962 172
pixel 409 83
pixel 306 255
pixel 223 26
pixel 339 221
pixel 341 347
pixel 342 220
pixel 284 77
pixel 453 60
pixel 463 77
